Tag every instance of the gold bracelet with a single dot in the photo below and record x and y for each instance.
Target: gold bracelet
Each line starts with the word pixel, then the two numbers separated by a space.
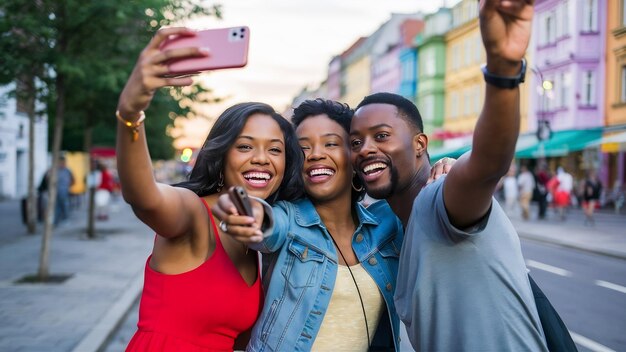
pixel 134 126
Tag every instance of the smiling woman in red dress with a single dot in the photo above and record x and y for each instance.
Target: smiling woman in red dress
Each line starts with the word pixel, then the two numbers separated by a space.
pixel 202 290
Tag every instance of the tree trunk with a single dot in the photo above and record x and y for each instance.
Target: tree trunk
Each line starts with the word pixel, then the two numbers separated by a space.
pixel 91 188
pixel 44 270
pixel 31 200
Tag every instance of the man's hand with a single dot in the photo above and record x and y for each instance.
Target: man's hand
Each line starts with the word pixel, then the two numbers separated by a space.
pixel 245 229
pixel 441 167
pixel 505 26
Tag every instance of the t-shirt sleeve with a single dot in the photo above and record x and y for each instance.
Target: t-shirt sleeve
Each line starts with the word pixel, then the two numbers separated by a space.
pixel 455 234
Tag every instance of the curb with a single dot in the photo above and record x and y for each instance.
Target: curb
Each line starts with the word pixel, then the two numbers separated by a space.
pixel 99 335
pixel 600 251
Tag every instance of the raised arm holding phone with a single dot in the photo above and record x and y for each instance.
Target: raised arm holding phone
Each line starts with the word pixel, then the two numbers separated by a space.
pixel 462 280
pixel 201 290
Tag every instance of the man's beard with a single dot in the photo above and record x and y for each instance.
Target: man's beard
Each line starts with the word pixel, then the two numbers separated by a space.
pixel 386 191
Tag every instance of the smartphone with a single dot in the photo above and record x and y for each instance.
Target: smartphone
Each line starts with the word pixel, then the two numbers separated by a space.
pixel 240 198
pixel 228 49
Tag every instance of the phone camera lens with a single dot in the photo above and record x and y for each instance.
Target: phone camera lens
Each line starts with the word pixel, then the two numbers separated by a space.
pixel 234 34
pixel 243 30
pixel 241 36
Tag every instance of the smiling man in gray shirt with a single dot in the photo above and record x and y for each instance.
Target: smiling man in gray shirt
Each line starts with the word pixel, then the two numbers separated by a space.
pixel 462 282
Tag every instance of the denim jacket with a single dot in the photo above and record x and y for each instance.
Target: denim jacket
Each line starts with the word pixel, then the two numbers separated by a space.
pixel 303 267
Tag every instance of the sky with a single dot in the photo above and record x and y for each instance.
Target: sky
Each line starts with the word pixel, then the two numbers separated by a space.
pixel 291 44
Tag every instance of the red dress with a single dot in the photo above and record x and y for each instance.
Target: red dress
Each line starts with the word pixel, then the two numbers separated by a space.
pixel 204 309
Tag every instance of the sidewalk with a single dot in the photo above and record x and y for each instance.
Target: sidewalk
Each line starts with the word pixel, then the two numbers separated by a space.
pixel 81 313
pixel 606 237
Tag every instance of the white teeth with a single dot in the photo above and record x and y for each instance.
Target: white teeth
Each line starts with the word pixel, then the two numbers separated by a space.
pixel 374 166
pixel 257 175
pixel 317 172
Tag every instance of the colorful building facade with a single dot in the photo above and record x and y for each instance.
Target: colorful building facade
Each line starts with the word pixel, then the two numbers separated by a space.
pixel 615 90
pixel 568 71
pixel 431 70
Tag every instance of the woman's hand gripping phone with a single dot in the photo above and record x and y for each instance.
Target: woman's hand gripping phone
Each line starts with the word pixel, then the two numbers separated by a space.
pixel 240 216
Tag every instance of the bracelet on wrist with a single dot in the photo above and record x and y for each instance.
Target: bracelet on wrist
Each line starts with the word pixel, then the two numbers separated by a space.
pixel 133 126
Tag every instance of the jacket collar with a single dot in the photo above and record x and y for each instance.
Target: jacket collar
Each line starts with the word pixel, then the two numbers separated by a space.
pixel 306 215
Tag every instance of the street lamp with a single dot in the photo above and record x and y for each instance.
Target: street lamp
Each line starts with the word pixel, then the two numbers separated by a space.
pixel 544 132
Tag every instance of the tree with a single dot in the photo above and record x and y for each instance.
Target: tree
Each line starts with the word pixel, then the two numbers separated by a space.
pixel 83 53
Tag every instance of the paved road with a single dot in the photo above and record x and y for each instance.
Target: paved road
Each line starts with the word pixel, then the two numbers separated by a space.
pixel 588 290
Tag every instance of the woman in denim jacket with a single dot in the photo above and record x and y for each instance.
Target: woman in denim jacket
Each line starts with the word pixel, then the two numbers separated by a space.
pixel 332 262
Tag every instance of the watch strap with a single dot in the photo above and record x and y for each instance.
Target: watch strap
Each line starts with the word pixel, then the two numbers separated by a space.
pixel 506 82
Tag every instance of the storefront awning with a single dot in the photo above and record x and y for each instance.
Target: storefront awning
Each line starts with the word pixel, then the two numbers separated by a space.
pixel 529 147
pixel 561 143
pixel 612 143
pixel 452 152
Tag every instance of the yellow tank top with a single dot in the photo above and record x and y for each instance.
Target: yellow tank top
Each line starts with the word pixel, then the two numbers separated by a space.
pixel 343 327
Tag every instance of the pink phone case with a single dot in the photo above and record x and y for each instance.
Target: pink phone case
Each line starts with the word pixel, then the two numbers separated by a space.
pixel 228 49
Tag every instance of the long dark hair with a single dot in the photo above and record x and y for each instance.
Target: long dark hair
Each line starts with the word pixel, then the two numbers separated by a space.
pixel 205 175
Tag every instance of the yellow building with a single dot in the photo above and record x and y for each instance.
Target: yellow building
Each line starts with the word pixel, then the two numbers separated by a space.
pixel 615 92
pixel 355 73
pixel 464 82
pixel 615 103
pixel 357 80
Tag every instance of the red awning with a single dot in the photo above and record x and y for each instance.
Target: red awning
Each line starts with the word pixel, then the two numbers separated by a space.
pixel 102 152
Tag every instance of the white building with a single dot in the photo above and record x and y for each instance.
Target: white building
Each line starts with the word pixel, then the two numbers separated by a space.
pixel 14 147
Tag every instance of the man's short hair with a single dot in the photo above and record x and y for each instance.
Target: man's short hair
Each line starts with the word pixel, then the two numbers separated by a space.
pixel 406 108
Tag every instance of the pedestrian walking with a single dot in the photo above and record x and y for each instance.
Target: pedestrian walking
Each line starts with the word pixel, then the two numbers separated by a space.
pixel 540 195
pixel 511 191
pixel 103 192
pixel 526 183
pixel 563 192
pixel 591 196
pixel 65 180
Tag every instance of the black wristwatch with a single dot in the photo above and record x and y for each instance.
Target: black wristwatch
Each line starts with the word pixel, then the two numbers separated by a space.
pixel 504 81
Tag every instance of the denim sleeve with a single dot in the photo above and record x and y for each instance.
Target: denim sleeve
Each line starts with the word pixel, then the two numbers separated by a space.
pixel 274 236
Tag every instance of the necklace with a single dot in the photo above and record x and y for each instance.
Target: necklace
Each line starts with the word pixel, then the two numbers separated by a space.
pixel 367 330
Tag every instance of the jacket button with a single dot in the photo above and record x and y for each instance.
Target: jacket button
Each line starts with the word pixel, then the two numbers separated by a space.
pixel 373 261
pixel 389 287
pixel 359 238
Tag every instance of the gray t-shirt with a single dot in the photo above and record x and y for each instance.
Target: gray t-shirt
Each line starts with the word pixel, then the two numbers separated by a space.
pixel 464 290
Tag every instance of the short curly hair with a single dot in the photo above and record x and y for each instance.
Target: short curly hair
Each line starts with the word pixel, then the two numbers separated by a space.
pixel 336 111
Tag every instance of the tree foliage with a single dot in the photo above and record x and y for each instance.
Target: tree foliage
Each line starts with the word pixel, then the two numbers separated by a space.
pixel 94 46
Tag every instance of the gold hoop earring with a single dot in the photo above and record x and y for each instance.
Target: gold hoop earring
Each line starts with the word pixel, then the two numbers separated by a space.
pixel 356 189
pixel 220 183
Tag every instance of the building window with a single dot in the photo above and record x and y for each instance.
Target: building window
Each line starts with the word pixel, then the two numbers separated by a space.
pixel 476 99
pixel 478 46
pixel 3 105
pixel 454 105
pixel 623 85
pixel 467 100
pixel 549 36
pixel 589 88
pixel 563 87
pixel 456 60
pixel 467 52
pixel 429 63
pixel 429 108
pixel 590 16
pixel 562 16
